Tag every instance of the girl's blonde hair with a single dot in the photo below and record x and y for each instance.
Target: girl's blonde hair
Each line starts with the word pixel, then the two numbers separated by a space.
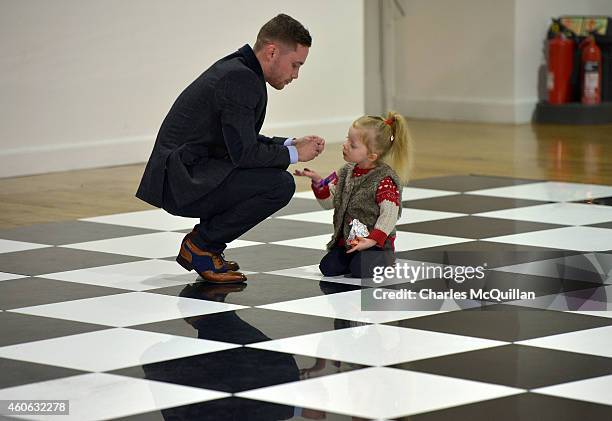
pixel 390 139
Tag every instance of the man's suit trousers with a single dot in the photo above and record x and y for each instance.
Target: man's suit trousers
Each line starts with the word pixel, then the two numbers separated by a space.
pixel 244 199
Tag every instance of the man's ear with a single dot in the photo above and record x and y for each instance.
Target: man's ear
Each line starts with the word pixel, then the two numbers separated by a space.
pixel 271 51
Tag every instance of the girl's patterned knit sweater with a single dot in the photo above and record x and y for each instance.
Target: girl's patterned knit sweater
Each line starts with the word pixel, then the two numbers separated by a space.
pixel 387 198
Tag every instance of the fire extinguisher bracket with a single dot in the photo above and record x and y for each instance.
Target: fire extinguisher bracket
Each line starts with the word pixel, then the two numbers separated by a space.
pixel 574 113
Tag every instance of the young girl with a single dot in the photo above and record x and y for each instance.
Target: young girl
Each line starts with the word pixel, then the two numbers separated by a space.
pixel 368 188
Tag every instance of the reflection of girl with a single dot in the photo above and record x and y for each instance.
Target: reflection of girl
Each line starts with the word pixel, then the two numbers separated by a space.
pixel 368 188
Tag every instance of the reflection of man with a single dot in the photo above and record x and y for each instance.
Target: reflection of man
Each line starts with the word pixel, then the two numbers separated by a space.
pixel 230 371
pixel 225 371
pixel 209 160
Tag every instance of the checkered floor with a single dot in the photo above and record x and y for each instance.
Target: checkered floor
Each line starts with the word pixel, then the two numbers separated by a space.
pixel 96 311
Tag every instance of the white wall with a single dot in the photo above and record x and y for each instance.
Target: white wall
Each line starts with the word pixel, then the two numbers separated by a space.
pixel 85 84
pixel 454 59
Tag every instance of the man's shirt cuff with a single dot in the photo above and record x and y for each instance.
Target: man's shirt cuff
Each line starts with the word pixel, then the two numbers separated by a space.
pixel 293 153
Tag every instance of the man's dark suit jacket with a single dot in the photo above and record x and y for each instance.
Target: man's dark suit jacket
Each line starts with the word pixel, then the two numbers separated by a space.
pixel 212 128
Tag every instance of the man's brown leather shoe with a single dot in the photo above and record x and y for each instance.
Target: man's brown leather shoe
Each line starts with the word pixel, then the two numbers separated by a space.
pixel 231 265
pixel 209 265
pixel 229 277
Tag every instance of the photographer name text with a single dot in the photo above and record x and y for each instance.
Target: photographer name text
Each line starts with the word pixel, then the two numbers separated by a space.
pixel 473 294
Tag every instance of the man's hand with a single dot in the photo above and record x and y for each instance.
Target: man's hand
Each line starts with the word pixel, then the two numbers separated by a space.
pixel 309 147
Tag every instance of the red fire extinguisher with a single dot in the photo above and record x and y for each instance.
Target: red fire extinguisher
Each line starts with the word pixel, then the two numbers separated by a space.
pixel 560 65
pixel 590 65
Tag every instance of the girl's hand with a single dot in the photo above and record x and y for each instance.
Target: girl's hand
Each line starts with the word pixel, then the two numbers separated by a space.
pixel 316 178
pixel 360 243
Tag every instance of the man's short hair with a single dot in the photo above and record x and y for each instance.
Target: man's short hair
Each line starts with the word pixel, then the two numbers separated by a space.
pixel 283 28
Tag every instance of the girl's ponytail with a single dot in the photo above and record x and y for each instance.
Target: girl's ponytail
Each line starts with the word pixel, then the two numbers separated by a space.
pixel 400 153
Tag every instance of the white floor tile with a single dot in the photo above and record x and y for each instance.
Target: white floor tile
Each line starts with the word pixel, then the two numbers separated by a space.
pixel 597 341
pixel 151 246
pixel 380 392
pixel 9 246
pixel 408 193
pixel 242 243
pixel 377 345
pixel 556 213
pixel 136 276
pixel 597 313
pixel 403 241
pixel 416 193
pixel 308 194
pixel 127 309
pixel 8 276
pixel 322 217
pixel 156 219
pixel 413 216
pixel 100 396
pixel 570 238
pixel 549 191
pixel 591 390
pixel 89 351
pixel 306 272
pixel 317 242
pixel 312 272
pixel 409 216
pixel 347 305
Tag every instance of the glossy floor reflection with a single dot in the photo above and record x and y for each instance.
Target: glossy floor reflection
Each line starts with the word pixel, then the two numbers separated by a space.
pixel 97 312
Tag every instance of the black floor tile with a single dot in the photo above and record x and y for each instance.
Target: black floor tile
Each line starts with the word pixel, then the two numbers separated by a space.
pixel 521 407
pixel 57 259
pixel 284 229
pixel 18 328
pixel 70 232
pixel 519 366
pixel 468 203
pixel 236 370
pixel 270 257
pixel 246 326
pixel 25 292
pixel 504 323
pixel 299 205
pixel 17 373
pixel 602 225
pixel 238 409
pixel 464 183
pixel 591 267
pixel 475 227
pixel 483 253
pixel 605 201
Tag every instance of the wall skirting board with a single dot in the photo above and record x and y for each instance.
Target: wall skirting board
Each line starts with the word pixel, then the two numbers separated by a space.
pixel 136 149
pixel 468 109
